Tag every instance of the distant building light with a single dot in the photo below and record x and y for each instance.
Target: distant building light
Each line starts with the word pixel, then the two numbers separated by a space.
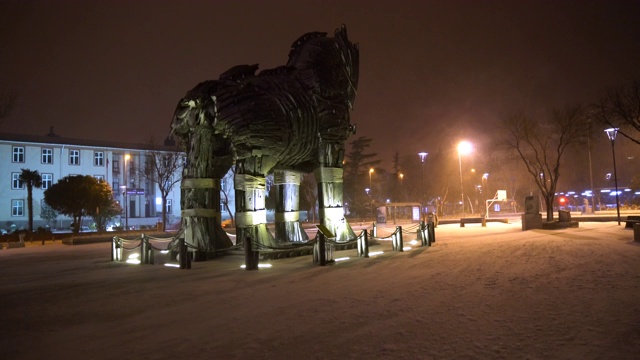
pixel 627 189
pixel 604 191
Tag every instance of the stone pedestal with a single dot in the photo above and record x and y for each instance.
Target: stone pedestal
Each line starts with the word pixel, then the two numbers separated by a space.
pixel 564 216
pixel 531 221
pixel 636 232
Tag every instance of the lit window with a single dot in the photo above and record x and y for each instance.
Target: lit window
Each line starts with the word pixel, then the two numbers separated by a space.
pixel 17 207
pixel 169 206
pixel 47 156
pixel 18 154
pixel 98 158
pixel 47 181
pixel 16 184
pixel 74 157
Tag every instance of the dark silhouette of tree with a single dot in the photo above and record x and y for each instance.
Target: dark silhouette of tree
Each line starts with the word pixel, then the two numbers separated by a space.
pixel 31 179
pixel 48 214
pixel 541 145
pixel 7 103
pixel 356 175
pixel 78 196
pixel 309 196
pixel 160 168
pixel 620 108
pixel 227 191
pixel 106 208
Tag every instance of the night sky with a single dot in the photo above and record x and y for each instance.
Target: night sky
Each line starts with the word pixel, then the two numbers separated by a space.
pixel 431 72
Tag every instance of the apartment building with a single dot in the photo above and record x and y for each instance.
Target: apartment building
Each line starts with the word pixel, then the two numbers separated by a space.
pixel 55 157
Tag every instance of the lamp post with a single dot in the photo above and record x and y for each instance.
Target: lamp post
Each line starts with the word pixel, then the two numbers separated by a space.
pixel 126 192
pixel 401 175
pixel 423 156
pixel 485 178
pixel 464 148
pixel 370 172
pixel 611 133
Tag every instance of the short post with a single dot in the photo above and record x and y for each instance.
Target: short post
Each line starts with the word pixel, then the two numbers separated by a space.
pixel 365 239
pixel 432 232
pixel 182 252
pixel 462 222
pixel 320 250
pixel 143 250
pixel 113 248
pixel 250 260
pixel 484 222
pixel 400 242
pixel 374 230
pixel 363 244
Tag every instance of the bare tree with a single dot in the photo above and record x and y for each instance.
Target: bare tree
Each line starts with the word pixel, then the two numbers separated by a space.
pixel 541 145
pixel 227 191
pixel 620 108
pixel 161 166
pixel 7 103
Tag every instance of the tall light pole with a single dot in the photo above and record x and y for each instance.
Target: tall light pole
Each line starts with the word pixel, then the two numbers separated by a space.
pixel 370 172
pixel 464 148
pixel 126 192
pixel 401 175
pixel 611 133
pixel 423 156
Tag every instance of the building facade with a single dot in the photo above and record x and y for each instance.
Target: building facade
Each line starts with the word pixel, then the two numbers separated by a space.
pixel 55 157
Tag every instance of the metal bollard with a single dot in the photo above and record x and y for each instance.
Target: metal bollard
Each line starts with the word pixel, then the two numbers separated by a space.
pixel 113 248
pixel 182 252
pixel 432 233
pixel 366 245
pixel 400 242
pixel 143 250
pixel 250 260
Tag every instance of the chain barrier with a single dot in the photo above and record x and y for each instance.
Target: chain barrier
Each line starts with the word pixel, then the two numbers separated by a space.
pixel 323 248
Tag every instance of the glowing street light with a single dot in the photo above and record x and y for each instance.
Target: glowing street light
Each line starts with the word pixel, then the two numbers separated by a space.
pixel 611 133
pixel 423 156
pixel 126 188
pixel 464 148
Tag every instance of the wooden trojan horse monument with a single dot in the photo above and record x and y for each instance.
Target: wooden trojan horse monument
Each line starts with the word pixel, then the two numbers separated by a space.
pixel 289 120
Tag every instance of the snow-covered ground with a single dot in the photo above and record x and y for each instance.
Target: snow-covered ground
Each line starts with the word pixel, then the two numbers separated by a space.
pixel 478 293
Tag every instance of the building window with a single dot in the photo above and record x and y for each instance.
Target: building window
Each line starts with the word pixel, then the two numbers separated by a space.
pixel 47 156
pixel 169 206
pixel 18 154
pixel 99 177
pixel 47 181
pixel 116 167
pixel 116 186
pixel 74 157
pixel 17 207
pixel 98 158
pixel 16 184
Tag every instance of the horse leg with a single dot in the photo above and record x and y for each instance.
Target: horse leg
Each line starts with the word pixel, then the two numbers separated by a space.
pixel 329 177
pixel 251 214
pixel 200 194
pixel 287 226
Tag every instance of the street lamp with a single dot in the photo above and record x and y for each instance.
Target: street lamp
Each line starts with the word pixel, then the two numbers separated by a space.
pixel 464 148
pixel 126 192
pixel 370 172
pixel 423 156
pixel 611 133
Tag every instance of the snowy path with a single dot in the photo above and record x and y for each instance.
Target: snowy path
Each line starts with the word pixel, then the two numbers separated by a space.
pixel 482 293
